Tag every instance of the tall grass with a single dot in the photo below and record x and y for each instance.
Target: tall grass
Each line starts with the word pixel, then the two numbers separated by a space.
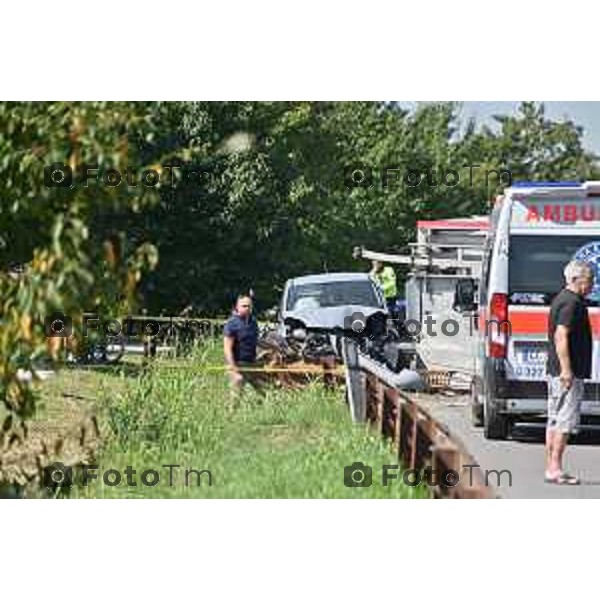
pixel 279 444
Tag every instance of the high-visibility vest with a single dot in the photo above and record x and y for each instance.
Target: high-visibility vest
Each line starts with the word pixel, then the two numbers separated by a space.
pixel 386 278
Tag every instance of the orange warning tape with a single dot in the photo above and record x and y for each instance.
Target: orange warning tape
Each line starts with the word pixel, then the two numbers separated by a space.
pixel 318 370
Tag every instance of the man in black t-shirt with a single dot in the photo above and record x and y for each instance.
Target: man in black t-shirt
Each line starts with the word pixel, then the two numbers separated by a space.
pixel 569 363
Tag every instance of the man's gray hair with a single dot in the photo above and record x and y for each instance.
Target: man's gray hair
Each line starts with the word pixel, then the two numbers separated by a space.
pixel 576 269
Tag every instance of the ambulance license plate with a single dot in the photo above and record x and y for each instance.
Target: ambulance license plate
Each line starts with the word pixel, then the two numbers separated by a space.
pixel 530 360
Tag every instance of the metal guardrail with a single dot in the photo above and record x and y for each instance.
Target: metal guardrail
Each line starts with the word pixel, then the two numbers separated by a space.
pixel 420 440
pixel 374 396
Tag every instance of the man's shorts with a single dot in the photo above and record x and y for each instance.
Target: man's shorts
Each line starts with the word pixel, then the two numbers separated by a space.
pixel 564 404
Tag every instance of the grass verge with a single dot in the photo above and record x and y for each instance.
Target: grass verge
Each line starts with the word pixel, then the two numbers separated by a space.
pixel 280 444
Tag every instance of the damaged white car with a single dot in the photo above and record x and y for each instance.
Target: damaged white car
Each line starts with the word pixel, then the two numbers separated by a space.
pixel 317 311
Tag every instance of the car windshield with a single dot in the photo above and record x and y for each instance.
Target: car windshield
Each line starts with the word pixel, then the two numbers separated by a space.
pixel 332 293
pixel 537 263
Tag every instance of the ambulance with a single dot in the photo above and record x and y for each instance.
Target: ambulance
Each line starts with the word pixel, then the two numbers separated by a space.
pixel 535 229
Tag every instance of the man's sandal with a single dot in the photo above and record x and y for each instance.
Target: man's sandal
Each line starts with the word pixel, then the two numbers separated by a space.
pixel 562 479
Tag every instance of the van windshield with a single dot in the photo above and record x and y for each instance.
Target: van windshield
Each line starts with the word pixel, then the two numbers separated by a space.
pixel 536 264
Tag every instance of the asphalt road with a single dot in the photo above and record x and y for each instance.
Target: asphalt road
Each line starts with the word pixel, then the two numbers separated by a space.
pixel 522 455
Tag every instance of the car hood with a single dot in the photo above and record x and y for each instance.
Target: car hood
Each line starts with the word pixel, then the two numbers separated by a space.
pixel 331 317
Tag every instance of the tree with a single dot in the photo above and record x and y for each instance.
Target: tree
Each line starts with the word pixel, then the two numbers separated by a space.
pixel 49 227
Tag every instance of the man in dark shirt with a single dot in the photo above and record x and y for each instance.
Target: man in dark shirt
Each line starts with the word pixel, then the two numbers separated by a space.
pixel 240 340
pixel 569 363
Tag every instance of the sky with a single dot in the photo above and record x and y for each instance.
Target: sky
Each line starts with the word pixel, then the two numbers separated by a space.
pixel 585 114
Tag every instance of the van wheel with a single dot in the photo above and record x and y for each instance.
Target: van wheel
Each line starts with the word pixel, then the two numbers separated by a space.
pixel 477 414
pixel 476 408
pixel 495 425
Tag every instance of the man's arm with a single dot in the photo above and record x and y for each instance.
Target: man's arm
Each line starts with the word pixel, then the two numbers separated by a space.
pixel 228 342
pixel 234 372
pixel 561 342
pixel 565 320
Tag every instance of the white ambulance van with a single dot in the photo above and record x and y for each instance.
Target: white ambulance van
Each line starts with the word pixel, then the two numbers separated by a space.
pixel 535 229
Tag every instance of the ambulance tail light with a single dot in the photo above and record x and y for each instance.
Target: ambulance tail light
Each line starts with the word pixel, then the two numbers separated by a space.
pixel 497 326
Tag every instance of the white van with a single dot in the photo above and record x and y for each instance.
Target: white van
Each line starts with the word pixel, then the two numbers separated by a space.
pixel 535 229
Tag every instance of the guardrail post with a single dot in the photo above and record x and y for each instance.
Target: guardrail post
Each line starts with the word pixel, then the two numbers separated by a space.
pixel 397 434
pixel 446 457
pixel 414 413
pixel 354 382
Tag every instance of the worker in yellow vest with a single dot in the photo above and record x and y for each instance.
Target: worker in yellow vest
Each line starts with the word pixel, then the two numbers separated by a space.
pixel 386 278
